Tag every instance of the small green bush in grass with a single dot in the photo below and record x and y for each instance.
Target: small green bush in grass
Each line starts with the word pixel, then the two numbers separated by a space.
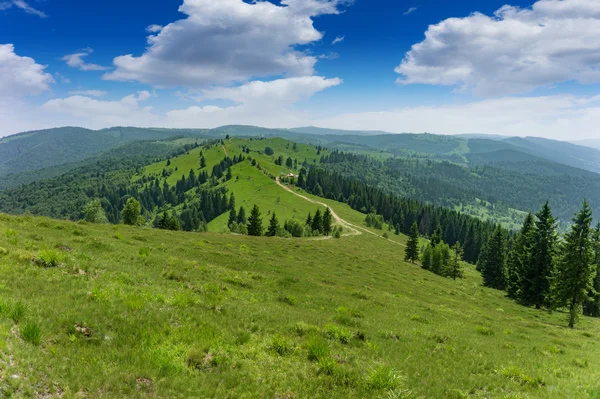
pixel 317 350
pixel 281 346
pixel 31 332
pixel 49 258
pixel 484 330
pixel 384 377
pixel 17 312
pixel 327 365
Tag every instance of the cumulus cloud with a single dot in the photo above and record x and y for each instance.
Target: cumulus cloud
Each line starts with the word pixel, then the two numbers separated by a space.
pixel 90 93
pixel 220 42
pixel 267 104
pixel 23 5
pixel 21 76
pixel 409 11
pixel 75 60
pixel 97 113
pixel 338 39
pixel 514 51
pixel 153 28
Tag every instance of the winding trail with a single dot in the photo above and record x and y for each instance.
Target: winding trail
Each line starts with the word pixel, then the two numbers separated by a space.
pixel 354 229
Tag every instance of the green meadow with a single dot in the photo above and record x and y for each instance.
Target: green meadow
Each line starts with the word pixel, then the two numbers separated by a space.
pixel 115 311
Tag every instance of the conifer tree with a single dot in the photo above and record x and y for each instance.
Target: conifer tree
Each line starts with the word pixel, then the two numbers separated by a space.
pixel 454 268
pixel 308 220
pixel 317 222
pixel 273 226
pixel 232 202
pixel 575 271
pixel 592 307
pixel 229 175
pixel 412 246
pixel 535 287
pixel 437 236
pixel 241 217
pixel 327 221
pixel 202 162
pixel 519 257
pixel 232 217
pixel 494 264
pixel 255 227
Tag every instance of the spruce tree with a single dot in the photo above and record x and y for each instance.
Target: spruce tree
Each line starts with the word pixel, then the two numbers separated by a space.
pixel 202 162
pixel 327 221
pixel 519 257
pixel 232 202
pixel 412 246
pixel 241 217
pixel 273 226
pixel 592 307
pixel 454 268
pixel 494 264
pixel 308 220
pixel 575 271
pixel 232 217
pixel 229 175
pixel 437 236
pixel 255 227
pixel 535 286
pixel 317 222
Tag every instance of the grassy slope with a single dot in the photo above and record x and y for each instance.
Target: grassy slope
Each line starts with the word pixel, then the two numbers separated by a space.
pixel 228 302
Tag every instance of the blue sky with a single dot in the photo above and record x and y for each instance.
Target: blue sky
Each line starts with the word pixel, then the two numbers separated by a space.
pixel 516 67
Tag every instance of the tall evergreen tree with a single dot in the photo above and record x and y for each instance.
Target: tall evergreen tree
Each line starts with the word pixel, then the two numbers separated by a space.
pixel 241 217
pixel 202 162
pixel 454 268
pixel 575 271
pixel 317 222
pixel 232 202
pixel 494 264
pixel 327 221
pixel 519 257
pixel 308 220
pixel 535 287
pixel 273 226
pixel 412 246
pixel 232 217
pixel 255 227
pixel 437 235
pixel 592 307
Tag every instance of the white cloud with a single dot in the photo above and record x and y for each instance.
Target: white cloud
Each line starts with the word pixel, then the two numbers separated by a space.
pixel 263 103
pixel 23 5
pixel 76 61
pixel 338 39
pixel 225 41
pixel 329 56
pixel 94 113
pixel 409 11
pixel 21 76
pixel 153 28
pixel 90 93
pixel 515 51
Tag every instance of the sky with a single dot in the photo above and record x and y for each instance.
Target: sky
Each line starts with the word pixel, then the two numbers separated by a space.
pixel 523 68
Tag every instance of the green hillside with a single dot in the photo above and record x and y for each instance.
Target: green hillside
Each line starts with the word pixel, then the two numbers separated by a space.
pixel 138 312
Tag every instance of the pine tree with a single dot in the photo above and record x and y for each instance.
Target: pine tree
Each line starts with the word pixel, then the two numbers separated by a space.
pixel 535 286
pixel 202 162
pixel 519 257
pixel 412 246
pixel 232 217
pixel 437 236
pixel 317 222
pixel 229 175
pixel 494 265
pixel 232 202
pixel 131 212
pixel 592 307
pixel 575 271
pixel 273 226
pixel 327 221
pixel 454 269
pixel 241 217
pixel 255 227
pixel 308 220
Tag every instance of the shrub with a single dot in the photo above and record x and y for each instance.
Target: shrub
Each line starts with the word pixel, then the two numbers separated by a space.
pixel 281 346
pixel 143 252
pixel 317 350
pixel 338 334
pixel 327 365
pixel 17 312
pixel 49 258
pixel 31 332
pixel 384 377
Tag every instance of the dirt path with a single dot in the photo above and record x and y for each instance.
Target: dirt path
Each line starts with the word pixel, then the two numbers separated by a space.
pixel 355 230
pixel 225 151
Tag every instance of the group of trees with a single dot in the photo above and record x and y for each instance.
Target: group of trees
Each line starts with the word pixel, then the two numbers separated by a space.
pixel 539 268
pixel 319 224
pixel 437 256
pixel 401 213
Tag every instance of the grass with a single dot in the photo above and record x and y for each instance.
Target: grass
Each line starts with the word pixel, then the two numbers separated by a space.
pixel 211 315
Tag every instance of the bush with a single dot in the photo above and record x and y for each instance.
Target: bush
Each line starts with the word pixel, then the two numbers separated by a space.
pixel 384 377
pixel 281 346
pixel 327 365
pixel 338 334
pixel 32 332
pixel 49 258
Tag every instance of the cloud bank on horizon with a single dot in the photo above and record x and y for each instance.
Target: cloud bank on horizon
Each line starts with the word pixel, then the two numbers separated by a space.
pixel 517 71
